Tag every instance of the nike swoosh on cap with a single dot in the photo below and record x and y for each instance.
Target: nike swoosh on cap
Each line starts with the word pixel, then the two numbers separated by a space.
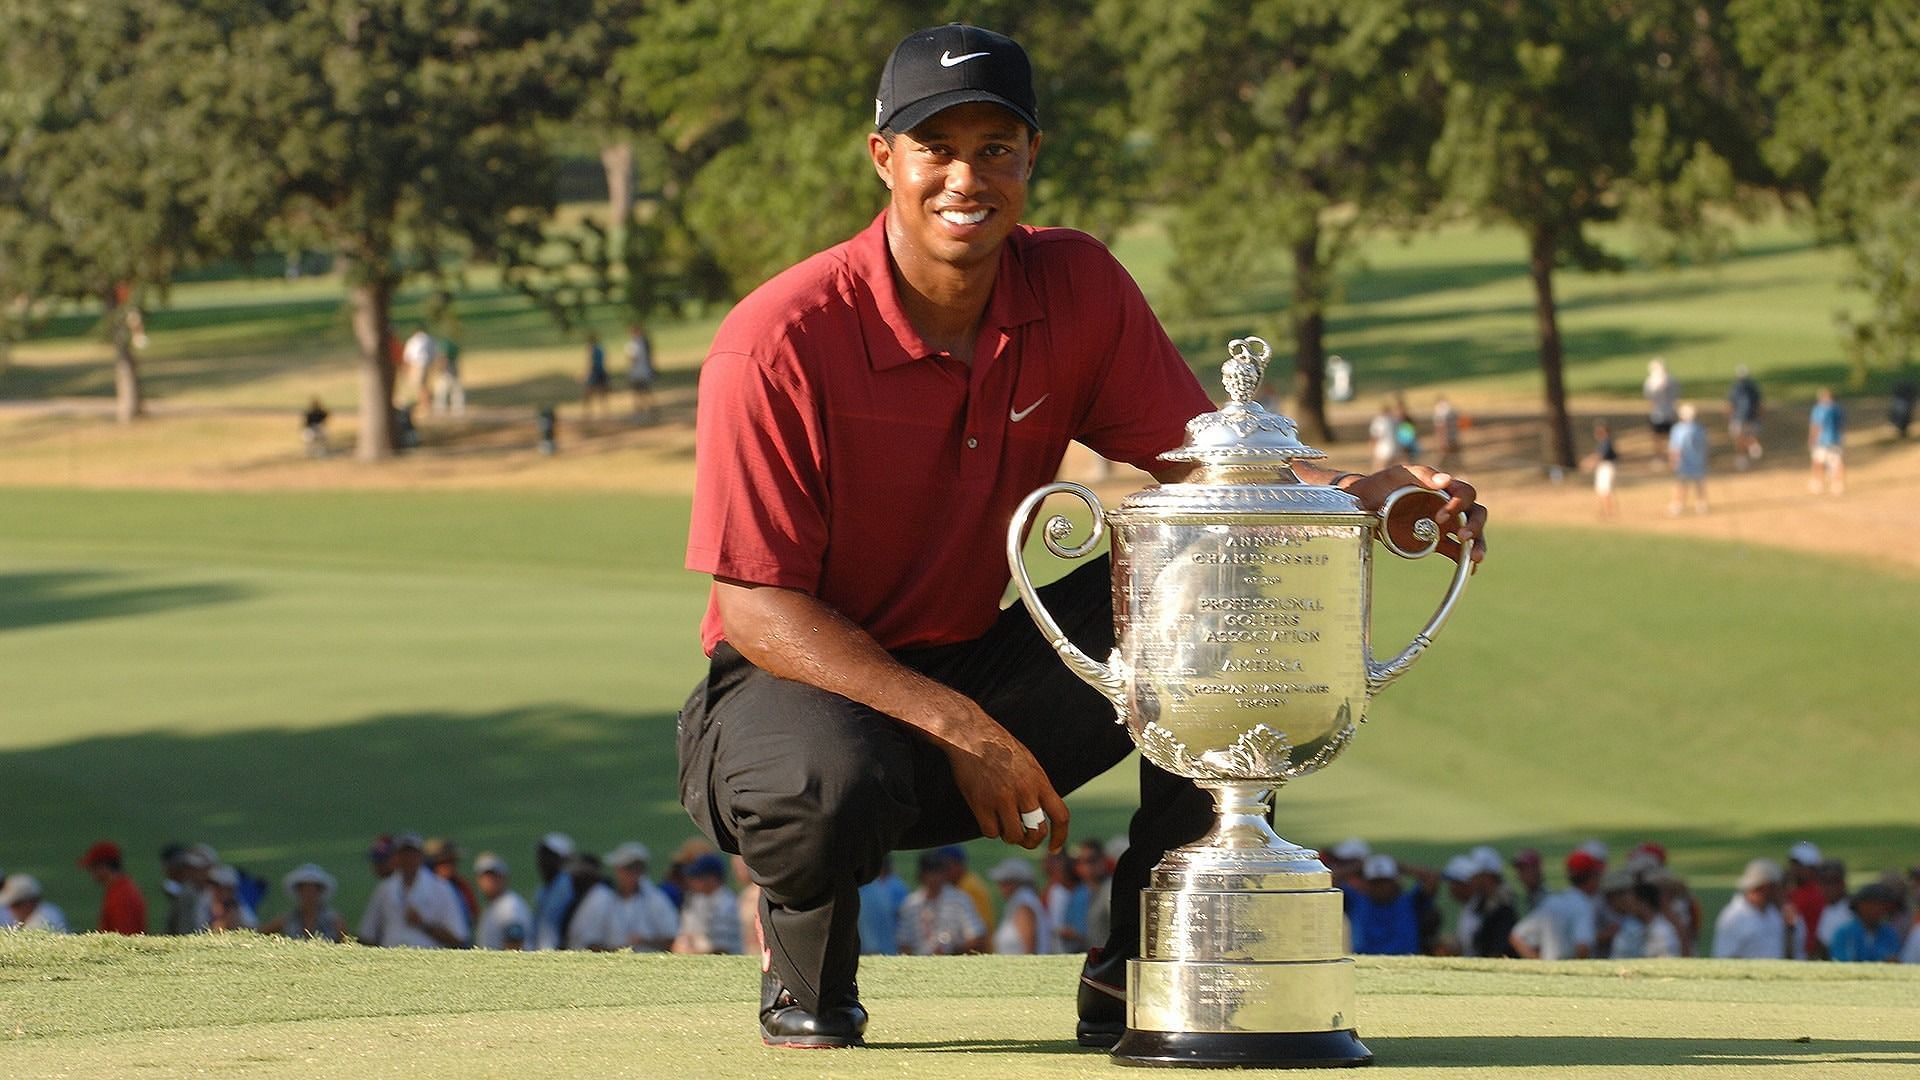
pixel 947 59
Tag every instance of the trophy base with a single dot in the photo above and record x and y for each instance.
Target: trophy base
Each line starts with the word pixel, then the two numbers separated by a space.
pixel 1252 1049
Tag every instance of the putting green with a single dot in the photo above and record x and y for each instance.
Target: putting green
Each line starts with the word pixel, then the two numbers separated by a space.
pixel 242 1005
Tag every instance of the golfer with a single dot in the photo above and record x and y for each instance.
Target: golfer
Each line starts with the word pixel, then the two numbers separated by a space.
pixel 868 420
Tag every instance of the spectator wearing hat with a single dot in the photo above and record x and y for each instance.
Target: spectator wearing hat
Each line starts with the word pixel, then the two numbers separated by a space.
pixel 413 908
pixel 555 896
pixel 1565 924
pixel 1871 935
pixel 1025 929
pixel 674 882
pixel 506 923
pixel 189 903
pixel 443 858
pixel 1493 906
pixel 1345 861
pixel 1457 876
pixel 1387 919
pixel 122 909
pixel 230 910
pixel 594 924
pixel 1805 895
pixel 648 920
pixel 26 905
pixel 880 901
pixel 937 919
pixel 1529 871
pixel 972 885
pixel 311 889
pixel 1752 925
pixel 710 918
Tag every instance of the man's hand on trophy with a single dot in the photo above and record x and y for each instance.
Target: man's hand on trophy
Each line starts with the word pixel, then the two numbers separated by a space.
pixel 1450 498
pixel 1006 788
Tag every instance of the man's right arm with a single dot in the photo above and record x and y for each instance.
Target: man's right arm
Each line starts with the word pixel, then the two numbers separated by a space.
pixel 793 635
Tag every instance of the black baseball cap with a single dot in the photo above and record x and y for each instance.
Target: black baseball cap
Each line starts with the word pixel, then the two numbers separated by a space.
pixel 950 65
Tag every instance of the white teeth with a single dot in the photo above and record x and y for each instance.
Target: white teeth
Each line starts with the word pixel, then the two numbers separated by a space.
pixel 959 218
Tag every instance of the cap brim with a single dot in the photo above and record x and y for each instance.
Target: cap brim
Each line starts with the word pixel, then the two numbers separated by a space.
pixel 908 117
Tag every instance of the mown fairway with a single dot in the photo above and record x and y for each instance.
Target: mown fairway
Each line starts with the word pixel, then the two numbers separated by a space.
pixel 285 675
pixel 250 1007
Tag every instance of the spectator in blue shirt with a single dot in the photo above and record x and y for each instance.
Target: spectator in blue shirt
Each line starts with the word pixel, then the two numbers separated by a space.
pixel 1387 919
pixel 1870 935
pixel 555 898
pixel 880 901
pixel 1826 438
pixel 1687 450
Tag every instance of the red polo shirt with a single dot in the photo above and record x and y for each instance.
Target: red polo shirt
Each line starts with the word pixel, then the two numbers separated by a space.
pixel 122 909
pixel 840 455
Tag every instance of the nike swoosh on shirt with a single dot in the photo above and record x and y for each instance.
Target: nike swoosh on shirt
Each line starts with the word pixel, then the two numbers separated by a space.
pixel 1018 415
pixel 947 59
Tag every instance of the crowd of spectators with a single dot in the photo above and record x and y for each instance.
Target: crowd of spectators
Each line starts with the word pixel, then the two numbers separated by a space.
pixel 1480 903
pixel 1639 907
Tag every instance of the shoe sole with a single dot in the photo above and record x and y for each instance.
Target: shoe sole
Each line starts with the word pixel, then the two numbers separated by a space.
pixel 1097 1036
pixel 813 1042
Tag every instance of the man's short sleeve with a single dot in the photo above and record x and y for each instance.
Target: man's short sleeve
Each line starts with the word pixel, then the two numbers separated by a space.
pixel 1147 393
pixel 759 498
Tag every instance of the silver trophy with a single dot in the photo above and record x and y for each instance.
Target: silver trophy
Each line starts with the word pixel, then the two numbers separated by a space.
pixel 1241 606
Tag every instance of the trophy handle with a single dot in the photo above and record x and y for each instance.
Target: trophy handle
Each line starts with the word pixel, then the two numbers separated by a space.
pixel 1106 677
pixel 1379 674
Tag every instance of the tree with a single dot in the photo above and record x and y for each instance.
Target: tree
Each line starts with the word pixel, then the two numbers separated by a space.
pixel 1562 116
pixel 103 192
pixel 1279 133
pixel 1841 76
pixel 761 112
pixel 403 134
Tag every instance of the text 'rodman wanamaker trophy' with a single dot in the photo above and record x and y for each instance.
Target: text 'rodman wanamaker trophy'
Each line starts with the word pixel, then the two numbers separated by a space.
pixel 1241 604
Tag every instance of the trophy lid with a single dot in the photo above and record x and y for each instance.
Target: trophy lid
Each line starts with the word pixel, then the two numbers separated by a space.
pixel 1243 432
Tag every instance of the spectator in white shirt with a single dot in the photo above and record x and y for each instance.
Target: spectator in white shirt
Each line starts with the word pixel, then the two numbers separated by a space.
pixel 27 909
pixel 506 922
pixel 1751 926
pixel 1563 926
pixel 648 920
pixel 412 907
pixel 1643 931
pixel 710 917
pixel 595 925
pixel 938 919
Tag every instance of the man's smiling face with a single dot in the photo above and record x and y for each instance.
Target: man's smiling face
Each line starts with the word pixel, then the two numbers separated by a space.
pixel 959 183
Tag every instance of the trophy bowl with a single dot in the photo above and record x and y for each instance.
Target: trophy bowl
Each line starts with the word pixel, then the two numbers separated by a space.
pixel 1242 660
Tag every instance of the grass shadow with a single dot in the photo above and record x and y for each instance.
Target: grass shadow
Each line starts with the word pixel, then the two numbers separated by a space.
pixel 47 598
pixel 990 1046
pixel 1563 1051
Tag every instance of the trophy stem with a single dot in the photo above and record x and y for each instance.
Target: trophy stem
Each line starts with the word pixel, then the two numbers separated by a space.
pixel 1244 810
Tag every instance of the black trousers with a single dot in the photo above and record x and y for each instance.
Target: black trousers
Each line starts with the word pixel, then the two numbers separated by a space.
pixel 815 790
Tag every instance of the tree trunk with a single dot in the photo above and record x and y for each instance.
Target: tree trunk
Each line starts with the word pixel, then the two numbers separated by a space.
pixel 129 404
pixel 1543 243
pixel 372 301
pixel 617 160
pixel 1309 317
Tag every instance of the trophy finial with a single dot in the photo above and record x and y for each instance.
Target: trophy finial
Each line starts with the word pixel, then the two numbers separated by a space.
pixel 1246 362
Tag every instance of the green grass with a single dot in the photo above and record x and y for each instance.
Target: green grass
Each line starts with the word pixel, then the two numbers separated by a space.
pixel 241 1005
pixel 284 675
